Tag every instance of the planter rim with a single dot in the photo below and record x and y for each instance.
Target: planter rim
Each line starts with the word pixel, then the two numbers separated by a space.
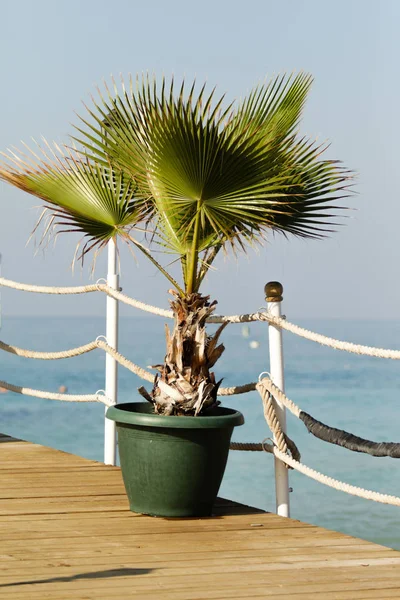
pixel 139 413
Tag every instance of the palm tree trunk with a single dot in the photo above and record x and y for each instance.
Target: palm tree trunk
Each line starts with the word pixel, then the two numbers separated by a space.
pixel 185 385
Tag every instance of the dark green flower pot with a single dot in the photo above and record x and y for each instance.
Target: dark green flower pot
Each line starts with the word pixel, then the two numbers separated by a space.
pixel 172 466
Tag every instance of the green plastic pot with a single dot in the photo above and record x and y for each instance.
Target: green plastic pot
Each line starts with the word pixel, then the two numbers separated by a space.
pixel 172 466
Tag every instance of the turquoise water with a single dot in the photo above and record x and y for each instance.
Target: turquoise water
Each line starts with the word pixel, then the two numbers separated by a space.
pixel 356 393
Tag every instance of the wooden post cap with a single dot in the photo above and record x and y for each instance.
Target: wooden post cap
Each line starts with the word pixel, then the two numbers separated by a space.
pixel 273 291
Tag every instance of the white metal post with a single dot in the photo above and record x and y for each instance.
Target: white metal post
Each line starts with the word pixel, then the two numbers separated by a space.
pixel 273 292
pixel 110 447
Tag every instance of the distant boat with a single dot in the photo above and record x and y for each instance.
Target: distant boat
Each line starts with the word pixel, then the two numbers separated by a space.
pixel 245 331
pixel 246 334
pixel 254 344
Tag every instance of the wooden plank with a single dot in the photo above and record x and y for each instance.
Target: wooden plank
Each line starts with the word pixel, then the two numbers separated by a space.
pixel 125 580
pixel 18 530
pixel 39 568
pixel 183 541
pixel 40 563
pixel 66 532
pixel 107 584
pixel 266 592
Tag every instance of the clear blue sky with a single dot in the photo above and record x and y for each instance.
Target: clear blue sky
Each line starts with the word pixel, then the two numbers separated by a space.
pixel 54 54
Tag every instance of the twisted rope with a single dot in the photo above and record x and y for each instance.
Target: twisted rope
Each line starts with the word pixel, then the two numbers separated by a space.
pixel 118 295
pixel 48 355
pixel 281 440
pixel 161 312
pixel 237 389
pixel 44 289
pixel 122 360
pixel 250 447
pixel 54 396
pixel 147 376
pixel 268 390
pixel 125 362
pixel 245 318
pixel 336 484
pixel 273 421
pixel 266 386
pixel 326 433
pixel 320 477
pixel 328 341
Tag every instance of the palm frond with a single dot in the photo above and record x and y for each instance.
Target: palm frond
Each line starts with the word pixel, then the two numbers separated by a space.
pixel 217 172
pixel 208 174
pixel 96 200
pixel 273 108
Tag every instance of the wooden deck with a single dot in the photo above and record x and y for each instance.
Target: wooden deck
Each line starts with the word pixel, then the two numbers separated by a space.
pixel 66 533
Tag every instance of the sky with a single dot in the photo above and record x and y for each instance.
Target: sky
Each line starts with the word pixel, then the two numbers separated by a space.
pixel 55 53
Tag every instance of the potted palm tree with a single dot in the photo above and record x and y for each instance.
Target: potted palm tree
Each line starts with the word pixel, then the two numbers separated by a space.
pixel 201 177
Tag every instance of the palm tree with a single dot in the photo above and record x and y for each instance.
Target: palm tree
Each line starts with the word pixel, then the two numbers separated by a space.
pixel 200 177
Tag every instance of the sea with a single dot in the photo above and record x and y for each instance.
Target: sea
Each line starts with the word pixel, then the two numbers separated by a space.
pixel 356 393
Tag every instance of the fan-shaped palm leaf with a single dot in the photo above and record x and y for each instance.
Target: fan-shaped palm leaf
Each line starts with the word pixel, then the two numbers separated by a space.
pixel 215 175
pixel 88 197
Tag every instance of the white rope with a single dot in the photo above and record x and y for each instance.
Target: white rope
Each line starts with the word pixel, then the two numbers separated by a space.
pixel 267 389
pixel 331 342
pixel 48 355
pixel 122 360
pixel 161 312
pixel 125 362
pixel 334 483
pixel 54 396
pixel 237 389
pixel 265 316
pixel 245 318
pixel 147 376
pixel 102 287
pixel 320 477
pixel 266 386
pixel 43 289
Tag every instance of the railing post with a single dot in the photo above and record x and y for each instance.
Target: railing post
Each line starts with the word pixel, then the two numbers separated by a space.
pixel 273 292
pixel 110 446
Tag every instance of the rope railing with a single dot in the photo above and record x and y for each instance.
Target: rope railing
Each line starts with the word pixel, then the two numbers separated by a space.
pixel 250 447
pixel 269 391
pixel 331 342
pixel 122 360
pixel 335 483
pixel 49 355
pixel 46 289
pixel 282 447
pixel 243 318
pixel 273 320
pixel 56 396
pixel 118 295
pixel 266 388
